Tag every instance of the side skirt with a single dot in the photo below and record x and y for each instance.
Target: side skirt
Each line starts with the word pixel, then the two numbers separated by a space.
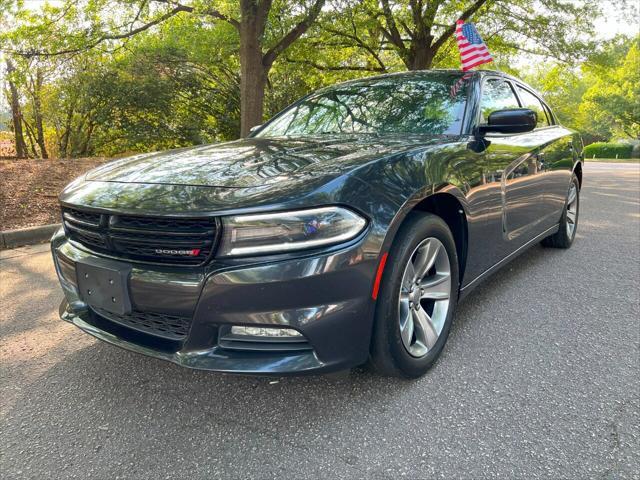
pixel 464 291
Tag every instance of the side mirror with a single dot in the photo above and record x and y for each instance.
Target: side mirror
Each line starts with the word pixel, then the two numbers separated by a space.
pixel 514 120
pixel 255 128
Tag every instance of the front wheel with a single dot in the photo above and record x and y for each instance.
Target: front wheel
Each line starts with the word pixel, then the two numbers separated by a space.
pixel 566 233
pixel 417 298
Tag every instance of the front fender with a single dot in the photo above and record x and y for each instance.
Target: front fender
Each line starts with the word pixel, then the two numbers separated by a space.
pixel 411 178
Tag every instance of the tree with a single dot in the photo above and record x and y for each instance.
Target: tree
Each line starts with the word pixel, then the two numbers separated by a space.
pixel 255 62
pixel 265 28
pixel 613 101
pixel 161 74
pixel 418 31
pixel 562 88
pixel 412 30
pixel 601 98
pixel 16 113
pixel 35 84
pixel 175 86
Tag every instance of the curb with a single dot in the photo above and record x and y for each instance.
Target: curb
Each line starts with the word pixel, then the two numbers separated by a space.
pixel 27 236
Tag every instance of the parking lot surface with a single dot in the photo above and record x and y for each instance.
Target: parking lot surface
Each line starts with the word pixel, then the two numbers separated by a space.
pixel 539 380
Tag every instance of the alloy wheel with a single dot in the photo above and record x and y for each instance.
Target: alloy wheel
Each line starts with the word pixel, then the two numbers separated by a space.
pixel 572 210
pixel 424 298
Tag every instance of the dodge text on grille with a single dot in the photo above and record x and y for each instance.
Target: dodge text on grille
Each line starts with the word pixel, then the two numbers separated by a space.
pixel 162 251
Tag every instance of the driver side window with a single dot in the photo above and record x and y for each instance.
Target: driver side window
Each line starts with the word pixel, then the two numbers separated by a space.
pixel 497 94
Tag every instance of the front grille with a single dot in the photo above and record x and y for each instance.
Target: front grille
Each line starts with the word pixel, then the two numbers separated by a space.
pixel 174 241
pixel 170 327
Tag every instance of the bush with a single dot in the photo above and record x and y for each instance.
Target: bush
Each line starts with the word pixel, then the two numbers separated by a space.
pixel 608 150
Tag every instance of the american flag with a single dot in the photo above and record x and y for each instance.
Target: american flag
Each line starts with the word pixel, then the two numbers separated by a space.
pixel 473 51
pixel 455 88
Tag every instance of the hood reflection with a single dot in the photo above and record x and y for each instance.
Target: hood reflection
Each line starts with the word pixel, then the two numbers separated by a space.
pixel 254 162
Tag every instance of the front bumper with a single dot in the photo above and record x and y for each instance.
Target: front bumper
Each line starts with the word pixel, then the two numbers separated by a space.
pixel 326 297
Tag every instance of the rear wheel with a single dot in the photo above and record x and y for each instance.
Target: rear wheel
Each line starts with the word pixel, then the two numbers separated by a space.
pixel 565 235
pixel 417 298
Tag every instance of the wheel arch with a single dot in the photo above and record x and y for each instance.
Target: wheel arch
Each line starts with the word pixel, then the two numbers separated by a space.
pixel 577 170
pixel 449 204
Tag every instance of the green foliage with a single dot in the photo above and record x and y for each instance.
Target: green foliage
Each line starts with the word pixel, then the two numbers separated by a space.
pixel 601 99
pixel 563 89
pixel 613 100
pixel 175 87
pixel 166 92
pixel 608 150
pixel 176 81
pixel 365 36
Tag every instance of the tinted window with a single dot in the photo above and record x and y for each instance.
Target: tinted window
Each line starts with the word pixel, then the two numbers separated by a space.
pixel 389 105
pixel 496 95
pixel 529 100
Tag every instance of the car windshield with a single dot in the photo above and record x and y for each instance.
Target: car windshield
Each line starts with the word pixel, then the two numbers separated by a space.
pixel 431 104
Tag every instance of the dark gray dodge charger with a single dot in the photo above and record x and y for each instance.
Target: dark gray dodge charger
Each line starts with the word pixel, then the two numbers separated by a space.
pixel 343 231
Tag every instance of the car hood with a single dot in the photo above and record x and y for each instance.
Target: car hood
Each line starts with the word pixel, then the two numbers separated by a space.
pixel 255 162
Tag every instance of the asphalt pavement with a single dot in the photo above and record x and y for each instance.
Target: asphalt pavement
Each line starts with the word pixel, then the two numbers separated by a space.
pixel 539 380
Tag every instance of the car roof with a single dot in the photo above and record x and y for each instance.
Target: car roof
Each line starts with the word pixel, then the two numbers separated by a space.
pixel 422 74
pixel 475 73
pixel 511 77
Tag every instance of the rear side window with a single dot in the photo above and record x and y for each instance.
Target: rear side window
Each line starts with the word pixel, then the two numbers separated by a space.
pixel 530 101
pixel 497 94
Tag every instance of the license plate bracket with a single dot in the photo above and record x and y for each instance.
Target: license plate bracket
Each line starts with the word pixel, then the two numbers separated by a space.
pixel 104 284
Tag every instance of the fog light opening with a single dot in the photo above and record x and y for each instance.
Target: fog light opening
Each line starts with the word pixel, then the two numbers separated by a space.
pixel 265 332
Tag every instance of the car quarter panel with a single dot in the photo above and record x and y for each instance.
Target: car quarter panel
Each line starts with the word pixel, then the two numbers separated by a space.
pixel 562 149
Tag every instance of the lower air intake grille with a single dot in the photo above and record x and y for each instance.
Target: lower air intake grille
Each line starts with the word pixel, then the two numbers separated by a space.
pixel 170 327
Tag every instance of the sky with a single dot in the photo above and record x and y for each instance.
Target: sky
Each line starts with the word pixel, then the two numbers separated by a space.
pixel 618 23
pixel 607 27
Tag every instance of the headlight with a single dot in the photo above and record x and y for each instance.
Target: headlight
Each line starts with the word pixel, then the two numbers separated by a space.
pixel 287 231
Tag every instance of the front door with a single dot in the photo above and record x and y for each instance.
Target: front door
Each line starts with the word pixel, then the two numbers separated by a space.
pixel 513 172
pixel 556 156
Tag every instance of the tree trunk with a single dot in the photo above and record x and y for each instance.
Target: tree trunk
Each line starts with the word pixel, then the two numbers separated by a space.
pixel 31 138
pixel 84 150
pixel 37 111
pixel 253 74
pixel 421 56
pixel 64 139
pixel 16 115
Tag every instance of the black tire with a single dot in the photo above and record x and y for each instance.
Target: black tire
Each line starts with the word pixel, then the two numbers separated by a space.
pixel 388 354
pixel 562 238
